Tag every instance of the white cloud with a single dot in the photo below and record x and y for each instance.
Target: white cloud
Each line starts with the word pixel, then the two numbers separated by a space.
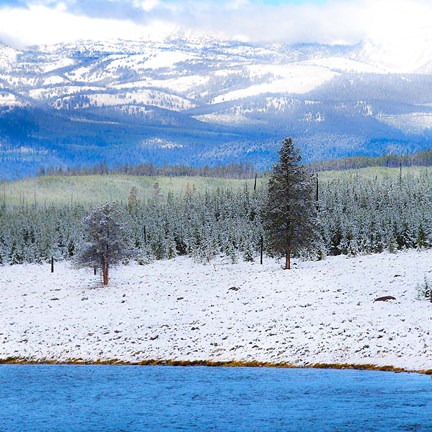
pixel 42 25
pixel 238 4
pixel 334 21
pixel 147 5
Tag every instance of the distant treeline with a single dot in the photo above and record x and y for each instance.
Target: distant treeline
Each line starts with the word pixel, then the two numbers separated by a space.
pixel 422 158
pixel 239 170
pixel 233 171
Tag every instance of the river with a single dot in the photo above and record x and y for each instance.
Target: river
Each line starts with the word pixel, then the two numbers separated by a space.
pixel 157 398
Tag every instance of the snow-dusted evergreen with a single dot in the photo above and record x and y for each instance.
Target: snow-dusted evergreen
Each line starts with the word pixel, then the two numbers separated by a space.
pixel 368 216
pixel 288 216
pixel 355 216
pixel 107 239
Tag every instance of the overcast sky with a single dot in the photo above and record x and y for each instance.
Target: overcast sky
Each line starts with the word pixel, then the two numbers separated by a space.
pixel 29 22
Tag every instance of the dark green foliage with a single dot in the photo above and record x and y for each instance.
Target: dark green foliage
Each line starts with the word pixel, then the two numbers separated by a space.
pixel 107 238
pixel 355 216
pixel 289 219
pixel 34 234
pixel 424 290
pixel 369 216
pixel 421 241
pixel 421 158
pixel 232 170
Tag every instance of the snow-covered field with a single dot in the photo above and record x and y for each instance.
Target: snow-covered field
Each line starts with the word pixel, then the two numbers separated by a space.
pixel 319 312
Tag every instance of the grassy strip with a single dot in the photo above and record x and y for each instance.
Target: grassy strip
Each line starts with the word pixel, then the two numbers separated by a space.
pixel 95 189
pixel 210 363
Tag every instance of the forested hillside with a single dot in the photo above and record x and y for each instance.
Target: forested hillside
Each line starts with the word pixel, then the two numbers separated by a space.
pixel 355 215
pixel 198 99
pixel 422 158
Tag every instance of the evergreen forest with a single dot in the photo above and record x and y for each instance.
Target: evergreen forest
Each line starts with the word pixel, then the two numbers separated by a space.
pixel 354 216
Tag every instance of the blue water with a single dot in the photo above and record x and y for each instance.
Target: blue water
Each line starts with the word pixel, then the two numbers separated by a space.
pixel 129 398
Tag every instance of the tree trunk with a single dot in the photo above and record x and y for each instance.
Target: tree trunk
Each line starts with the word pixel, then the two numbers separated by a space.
pixel 104 267
pixel 262 250
pixel 105 274
pixel 288 260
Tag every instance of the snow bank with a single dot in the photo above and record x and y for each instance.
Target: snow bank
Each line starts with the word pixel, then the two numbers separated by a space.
pixel 319 312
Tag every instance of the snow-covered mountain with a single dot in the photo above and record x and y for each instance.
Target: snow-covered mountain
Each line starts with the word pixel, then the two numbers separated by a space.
pixel 196 100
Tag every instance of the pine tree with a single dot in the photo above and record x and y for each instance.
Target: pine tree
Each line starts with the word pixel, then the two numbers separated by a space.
pixel 107 239
pixel 132 199
pixel 289 218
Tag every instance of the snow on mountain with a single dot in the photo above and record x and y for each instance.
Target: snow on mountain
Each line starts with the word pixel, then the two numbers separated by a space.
pixel 217 96
pixel 340 65
pixel 146 97
pixel 219 118
pixel 10 100
pixel 8 57
pixel 182 84
pixel 416 122
pixel 399 56
pixel 49 92
pixel 166 59
pixel 289 78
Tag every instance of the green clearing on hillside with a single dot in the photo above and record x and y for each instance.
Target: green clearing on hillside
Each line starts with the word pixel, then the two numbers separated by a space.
pixel 94 189
pixel 372 172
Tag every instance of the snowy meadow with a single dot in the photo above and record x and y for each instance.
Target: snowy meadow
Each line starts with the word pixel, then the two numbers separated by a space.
pixel 318 312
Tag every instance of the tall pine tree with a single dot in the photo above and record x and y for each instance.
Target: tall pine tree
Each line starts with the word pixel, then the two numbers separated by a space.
pixel 289 214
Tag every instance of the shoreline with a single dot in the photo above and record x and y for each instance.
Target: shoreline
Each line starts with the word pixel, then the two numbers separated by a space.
pixel 182 313
pixel 211 363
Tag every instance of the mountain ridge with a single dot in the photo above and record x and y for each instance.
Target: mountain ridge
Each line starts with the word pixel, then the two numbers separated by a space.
pixel 203 100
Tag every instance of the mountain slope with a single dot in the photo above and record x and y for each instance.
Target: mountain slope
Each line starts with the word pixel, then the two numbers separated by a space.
pixel 204 100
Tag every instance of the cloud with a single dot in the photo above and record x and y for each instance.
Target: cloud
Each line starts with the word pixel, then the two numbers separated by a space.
pixel 331 21
pixel 40 24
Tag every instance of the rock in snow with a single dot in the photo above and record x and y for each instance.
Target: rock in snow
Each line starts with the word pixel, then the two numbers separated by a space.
pixel 319 312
